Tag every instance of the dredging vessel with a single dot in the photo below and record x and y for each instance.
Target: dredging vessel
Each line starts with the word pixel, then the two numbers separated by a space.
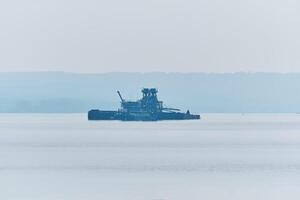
pixel 148 108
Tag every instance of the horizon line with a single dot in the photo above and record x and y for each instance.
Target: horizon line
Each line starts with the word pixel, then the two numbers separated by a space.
pixel 148 72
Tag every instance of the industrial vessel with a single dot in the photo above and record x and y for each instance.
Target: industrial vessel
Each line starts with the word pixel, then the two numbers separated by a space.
pixel 148 108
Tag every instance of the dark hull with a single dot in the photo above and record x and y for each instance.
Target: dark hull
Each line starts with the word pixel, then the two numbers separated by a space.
pixel 139 116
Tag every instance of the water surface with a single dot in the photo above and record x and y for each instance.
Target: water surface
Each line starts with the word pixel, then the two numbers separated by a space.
pixel 222 156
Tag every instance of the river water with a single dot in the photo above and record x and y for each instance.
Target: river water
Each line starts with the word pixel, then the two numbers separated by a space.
pixel 221 156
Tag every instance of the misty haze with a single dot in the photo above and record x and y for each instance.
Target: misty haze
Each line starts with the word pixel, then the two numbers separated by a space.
pixel 208 104
pixel 200 92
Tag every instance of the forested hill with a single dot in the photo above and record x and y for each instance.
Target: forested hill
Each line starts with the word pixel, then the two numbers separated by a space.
pixel 199 92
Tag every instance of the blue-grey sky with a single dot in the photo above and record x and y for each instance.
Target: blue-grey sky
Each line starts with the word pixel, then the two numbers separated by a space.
pixel 153 35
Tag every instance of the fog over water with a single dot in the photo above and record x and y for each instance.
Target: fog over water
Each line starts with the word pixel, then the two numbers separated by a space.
pixel 64 156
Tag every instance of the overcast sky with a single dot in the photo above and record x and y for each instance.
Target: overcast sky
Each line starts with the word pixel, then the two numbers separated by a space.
pixel 150 35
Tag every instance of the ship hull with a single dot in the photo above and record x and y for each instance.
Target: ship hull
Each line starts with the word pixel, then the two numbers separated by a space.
pixel 139 116
pixel 102 115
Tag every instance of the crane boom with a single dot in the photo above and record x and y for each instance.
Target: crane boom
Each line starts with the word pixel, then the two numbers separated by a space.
pixel 171 109
pixel 120 96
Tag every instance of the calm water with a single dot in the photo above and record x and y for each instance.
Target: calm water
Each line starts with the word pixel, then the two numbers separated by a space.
pixel 234 157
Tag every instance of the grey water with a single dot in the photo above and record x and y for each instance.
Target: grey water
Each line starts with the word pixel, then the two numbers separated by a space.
pixel 221 156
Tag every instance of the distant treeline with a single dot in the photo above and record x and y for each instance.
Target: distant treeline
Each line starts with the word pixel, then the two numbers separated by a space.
pixel 199 92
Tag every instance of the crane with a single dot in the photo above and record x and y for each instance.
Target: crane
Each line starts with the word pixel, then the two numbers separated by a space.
pixel 122 100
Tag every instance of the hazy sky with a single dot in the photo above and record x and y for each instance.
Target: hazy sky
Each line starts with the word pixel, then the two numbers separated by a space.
pixel 152 35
